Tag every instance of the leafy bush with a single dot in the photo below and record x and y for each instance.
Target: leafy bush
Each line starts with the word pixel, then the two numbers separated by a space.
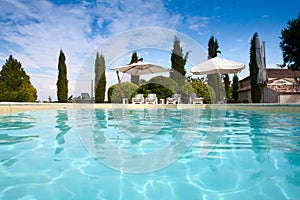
pixel 245 101
pixel 128 90
pixel 185 92
pixel 230 101
pixel 205 91
pixel 162 86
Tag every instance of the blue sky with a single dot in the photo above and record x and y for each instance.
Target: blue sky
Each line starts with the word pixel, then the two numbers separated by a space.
pixel 35 32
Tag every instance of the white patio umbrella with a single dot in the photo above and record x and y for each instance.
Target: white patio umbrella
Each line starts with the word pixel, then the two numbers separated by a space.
pixel 260 61
pixel 140 68
pixel 217 65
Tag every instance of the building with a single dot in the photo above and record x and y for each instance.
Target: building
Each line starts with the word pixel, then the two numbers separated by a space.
pixel 283 86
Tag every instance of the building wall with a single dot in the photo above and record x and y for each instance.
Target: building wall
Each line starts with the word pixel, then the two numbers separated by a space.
pixel 270 95
pixel 282 87
pixel 289 98
pixel 245 95
pixel 245 82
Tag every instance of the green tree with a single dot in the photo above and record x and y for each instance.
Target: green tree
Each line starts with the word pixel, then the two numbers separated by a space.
pixel 202 90
pixel 129 90
pixel 213 47
pixel 256 89
pixel 134 58
pixel 235 87
pixel 226 81
pixel 100 78
pixel 15 85
pixel 62 82
pixel 163 87
pixel 178 61
pixel 214 80
pixel 290 44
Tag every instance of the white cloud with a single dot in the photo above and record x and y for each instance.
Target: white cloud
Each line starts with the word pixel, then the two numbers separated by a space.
pixel 131 14
pixel 198 23
pixel 52 28
pixel 265 16
pixel 241 40
pixel 37 31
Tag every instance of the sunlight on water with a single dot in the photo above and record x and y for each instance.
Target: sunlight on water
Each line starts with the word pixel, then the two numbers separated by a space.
pixel 170 154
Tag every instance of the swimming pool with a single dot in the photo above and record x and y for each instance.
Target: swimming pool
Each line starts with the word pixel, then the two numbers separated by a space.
pixel 153 153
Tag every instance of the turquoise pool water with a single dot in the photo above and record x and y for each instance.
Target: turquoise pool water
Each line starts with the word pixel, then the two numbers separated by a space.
pixel 150 154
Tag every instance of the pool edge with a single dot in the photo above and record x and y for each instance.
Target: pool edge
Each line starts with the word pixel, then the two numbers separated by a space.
pixel 8 107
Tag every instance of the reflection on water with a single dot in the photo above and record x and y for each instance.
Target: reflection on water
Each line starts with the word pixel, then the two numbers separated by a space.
pixel 15 128
pixel 16 122
pixel 135 127
pixel 7 139
pixel 101 123
pixel 61 120
pixel 260 132
pixel 144 131
pixel 294 163
pixel 273 138
pixel 8 162
pixel 210 131
pixel 259 136
pixel 135 140
pixel 253 154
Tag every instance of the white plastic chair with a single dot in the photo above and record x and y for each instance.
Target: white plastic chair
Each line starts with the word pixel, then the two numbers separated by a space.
pixel 138 99
pixel 151 99
pixel 194 99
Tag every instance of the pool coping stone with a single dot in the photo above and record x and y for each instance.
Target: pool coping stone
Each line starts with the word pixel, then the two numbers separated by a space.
pixel 26 106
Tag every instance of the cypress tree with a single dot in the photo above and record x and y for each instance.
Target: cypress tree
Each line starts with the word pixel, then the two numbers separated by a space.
pixel 178 61
pixel 62 82
pixel 213 47
pixel 256 90
pixel 97 71
pixel 226 81
pixel 15 84
pixel 100 78
pixel 214 80
pixel 134 58
pixel 235 87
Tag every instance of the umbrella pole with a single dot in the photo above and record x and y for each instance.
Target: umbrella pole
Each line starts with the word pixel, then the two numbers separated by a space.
pixel 120 87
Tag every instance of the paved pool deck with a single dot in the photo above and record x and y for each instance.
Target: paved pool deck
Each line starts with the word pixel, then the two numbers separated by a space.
pixel 8 107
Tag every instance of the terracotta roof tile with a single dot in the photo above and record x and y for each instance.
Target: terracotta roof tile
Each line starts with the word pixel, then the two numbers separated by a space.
pixel 272 74
pixel 278 73
pixel 247 88
pixel 282 73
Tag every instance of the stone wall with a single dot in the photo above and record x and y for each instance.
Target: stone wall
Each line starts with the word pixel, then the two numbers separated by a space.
pixel 289 98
